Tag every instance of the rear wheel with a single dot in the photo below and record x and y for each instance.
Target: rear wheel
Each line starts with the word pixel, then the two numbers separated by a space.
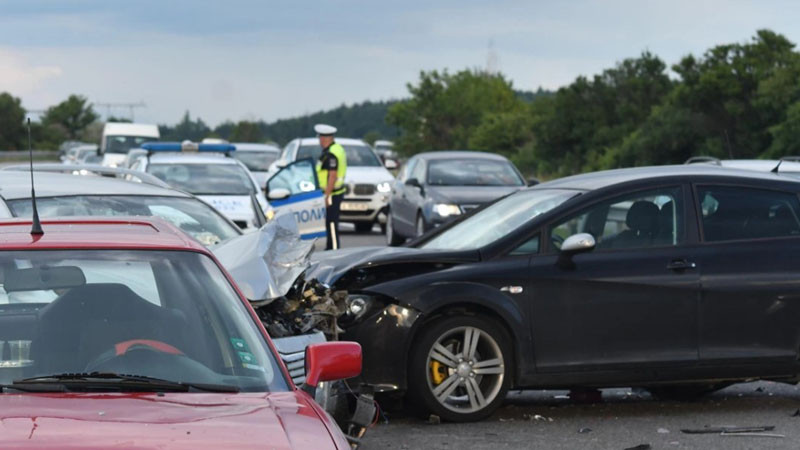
pixel 392 238
pixel 363 227
pixel 460 368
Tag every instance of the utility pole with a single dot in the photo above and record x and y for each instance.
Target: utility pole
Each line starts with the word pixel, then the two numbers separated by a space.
pixel 131 107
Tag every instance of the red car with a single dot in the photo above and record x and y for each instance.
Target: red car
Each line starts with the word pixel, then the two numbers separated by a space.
pixel 128 334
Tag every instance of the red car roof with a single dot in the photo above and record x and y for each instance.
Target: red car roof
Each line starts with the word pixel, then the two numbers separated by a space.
pixel 96 233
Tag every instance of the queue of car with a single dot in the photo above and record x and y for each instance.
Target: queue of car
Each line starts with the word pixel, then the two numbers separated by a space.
pixel 675 279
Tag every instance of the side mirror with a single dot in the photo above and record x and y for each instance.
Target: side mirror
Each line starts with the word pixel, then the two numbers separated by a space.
pixel 280 164
pixel 330 361
pixel 390 164
pixel 532 181
pixel 413 182
pixel 279 194
pixel 573 245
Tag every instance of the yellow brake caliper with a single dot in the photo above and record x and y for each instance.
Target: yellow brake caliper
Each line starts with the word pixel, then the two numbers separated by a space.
pixel 438 372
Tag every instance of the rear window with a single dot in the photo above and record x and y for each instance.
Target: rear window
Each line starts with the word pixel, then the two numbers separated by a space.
pixel 734 213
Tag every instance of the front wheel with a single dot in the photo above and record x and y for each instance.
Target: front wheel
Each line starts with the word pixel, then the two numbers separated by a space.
pixel 460 368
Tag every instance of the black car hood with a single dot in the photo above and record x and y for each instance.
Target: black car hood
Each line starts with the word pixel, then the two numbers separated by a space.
pixel 328 267
pixel 469 195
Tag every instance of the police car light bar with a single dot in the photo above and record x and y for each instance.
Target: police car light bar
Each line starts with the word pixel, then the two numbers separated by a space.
pixel 187 147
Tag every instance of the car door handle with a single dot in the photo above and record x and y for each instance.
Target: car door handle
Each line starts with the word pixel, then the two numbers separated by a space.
pixel 681 264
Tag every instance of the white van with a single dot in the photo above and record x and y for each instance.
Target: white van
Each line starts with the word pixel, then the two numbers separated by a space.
pixel 119 138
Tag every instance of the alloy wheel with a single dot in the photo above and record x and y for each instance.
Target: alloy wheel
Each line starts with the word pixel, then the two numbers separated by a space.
pixel 466 369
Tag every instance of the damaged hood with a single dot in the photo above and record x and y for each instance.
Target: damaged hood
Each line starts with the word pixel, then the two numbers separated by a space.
pixel 266 263
pixel 327 267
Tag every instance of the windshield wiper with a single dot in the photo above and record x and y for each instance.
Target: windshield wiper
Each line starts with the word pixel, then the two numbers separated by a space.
pixel 110 380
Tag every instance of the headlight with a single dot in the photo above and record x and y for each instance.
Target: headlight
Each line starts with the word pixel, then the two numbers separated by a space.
pixel 384 187
pixel 357 305
pixel 444 209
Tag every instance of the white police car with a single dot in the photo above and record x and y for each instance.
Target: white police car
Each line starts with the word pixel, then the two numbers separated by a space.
pixel 207 171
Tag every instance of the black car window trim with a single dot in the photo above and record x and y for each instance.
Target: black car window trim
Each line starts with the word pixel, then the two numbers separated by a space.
pixel 699 211
pixel 546 247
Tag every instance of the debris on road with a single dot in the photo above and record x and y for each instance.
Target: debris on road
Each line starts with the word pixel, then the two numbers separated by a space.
pixel 663 431
pixel 640 447
pixel 585 430
pixel 537 417
pixel 769 435
pixel 796 413
pixel 433 419
pixel 728 430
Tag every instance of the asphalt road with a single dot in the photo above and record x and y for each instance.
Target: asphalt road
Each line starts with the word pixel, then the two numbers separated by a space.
pixel 623 420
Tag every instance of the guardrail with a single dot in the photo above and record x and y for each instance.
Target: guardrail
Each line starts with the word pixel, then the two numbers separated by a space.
pixel 19 155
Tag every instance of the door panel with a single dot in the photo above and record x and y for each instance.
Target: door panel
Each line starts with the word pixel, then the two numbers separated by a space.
pixel 306 200
pixel 630 301
pixel 751 292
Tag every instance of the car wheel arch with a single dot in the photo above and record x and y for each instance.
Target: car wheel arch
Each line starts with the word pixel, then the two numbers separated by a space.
pixel 479 307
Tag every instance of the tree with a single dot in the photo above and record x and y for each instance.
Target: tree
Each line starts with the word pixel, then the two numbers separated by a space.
pixel 445 108
pixel 193 130
pixel 72 116
pixel 12 123
pixel 247 131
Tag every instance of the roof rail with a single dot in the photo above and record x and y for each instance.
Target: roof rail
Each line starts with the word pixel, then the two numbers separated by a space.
pixel 702 159
pixel 790 158
pixel 85 169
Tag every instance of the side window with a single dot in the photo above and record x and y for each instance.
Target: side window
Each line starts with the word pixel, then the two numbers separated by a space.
pixel 418 172
pixel 297 177
pixel 643 219
pixel 529 247
pixel 733 213
pixel 409 167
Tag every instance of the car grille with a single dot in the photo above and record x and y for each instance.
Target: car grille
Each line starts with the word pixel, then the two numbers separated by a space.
pixel 292 351
pixel 363 189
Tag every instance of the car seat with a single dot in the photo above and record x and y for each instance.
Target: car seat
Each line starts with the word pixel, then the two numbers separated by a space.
pixel 642 223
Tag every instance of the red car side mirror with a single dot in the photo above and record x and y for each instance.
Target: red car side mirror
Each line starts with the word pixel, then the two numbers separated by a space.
pixel 330 361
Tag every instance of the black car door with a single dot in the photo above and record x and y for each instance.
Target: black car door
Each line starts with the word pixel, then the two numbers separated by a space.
pixel 749 273
pixel 413 197
pixel 630 301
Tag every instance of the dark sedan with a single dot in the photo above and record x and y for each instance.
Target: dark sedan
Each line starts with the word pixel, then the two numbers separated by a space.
pixel 678 279
pixel 436 187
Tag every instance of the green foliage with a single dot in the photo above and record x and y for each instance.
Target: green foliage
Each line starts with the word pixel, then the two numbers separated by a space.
pixel 247 132
pixel 69 117
pixel 193 130
pixel 12 123
pixel 445 108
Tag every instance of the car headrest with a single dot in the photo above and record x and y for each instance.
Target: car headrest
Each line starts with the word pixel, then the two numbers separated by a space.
pixel 643 216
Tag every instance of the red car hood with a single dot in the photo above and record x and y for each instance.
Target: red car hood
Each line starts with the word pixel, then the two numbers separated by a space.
pixel 285 420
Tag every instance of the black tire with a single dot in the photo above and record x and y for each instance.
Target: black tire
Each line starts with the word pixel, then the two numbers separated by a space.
pixel 459 403
pixel 421 226
pixel 363 227
pixel 685 392
pixel 392 238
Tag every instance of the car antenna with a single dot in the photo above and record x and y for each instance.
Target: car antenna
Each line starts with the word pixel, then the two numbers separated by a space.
pixel 775 169
pixel 36 227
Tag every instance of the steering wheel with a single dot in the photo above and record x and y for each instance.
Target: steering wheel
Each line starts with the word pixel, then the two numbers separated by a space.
pixel 124 348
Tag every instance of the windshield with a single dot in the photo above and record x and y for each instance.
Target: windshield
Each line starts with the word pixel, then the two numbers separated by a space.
pixel 357 155
pixel 205 179
pixel 256 161
pixel 121 144
pixel 472 172
pixel 171 315
pixel 194 217
pixel 499 219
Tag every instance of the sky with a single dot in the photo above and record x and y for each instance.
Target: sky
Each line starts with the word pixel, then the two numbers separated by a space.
pixel 246 60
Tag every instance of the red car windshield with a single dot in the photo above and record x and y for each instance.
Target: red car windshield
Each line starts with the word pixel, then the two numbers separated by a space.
pixel 168 315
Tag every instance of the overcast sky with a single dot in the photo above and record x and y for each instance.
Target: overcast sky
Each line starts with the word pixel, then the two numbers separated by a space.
pixel 275 59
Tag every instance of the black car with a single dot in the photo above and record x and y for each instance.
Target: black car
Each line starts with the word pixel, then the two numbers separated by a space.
pixel 679 279
pixel 436 187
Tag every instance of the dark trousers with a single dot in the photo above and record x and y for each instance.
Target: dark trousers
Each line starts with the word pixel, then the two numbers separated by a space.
pixel 332 222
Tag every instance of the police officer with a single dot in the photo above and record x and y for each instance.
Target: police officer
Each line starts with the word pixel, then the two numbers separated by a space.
pixel 331 170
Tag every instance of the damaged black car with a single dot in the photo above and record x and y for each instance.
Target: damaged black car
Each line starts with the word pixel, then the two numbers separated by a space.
pixel 679 279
